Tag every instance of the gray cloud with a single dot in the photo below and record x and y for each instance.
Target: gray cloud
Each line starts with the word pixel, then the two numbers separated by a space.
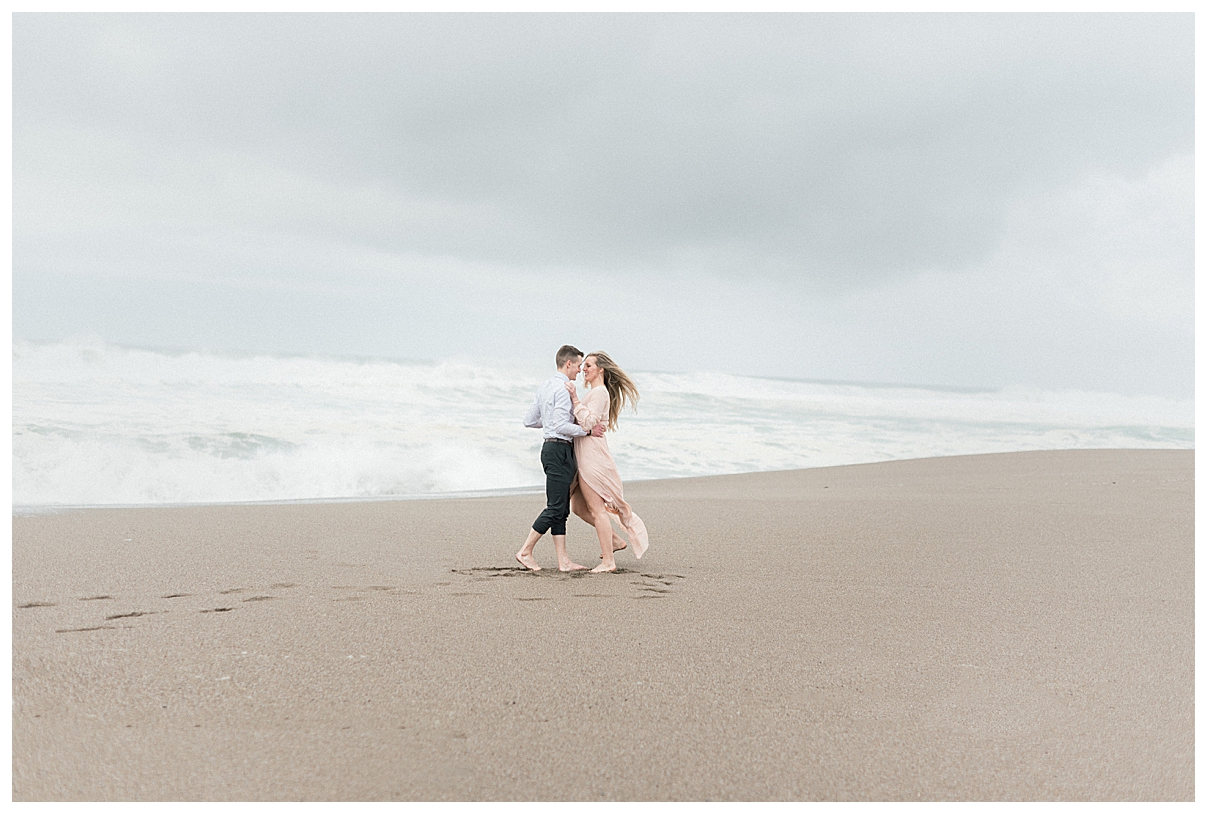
pixel 810 145
pixel 823 154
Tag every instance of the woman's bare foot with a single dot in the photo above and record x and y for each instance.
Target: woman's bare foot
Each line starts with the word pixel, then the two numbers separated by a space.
pixel 527 561
pixel 604 567
pixel 571 566
pixel 618 542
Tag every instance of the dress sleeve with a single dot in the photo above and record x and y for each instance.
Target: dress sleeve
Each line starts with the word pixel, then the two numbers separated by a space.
pixel 593 409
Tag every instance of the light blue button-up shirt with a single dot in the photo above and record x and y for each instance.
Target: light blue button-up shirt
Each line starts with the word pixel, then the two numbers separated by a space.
pixel 551 411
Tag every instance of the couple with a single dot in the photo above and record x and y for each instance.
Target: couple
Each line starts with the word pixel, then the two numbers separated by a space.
pixel 580 474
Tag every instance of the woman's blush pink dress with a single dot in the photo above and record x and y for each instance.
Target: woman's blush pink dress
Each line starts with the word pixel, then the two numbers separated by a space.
pixel 597 469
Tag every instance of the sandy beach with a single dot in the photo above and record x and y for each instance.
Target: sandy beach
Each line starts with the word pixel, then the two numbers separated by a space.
pixel 992 627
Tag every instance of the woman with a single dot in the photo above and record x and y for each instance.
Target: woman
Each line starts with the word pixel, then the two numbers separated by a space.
pixel 597 491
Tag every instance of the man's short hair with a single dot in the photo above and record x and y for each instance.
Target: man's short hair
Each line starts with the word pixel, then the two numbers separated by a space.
pixel 565 353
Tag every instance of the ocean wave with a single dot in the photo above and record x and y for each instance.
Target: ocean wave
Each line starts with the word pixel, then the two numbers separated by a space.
pixel 97 424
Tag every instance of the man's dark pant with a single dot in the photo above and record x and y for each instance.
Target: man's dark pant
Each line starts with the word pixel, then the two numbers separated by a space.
pixel 560 468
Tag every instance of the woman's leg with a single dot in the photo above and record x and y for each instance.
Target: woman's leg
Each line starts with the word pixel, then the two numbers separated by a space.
pixel 603 528
pixel 578 505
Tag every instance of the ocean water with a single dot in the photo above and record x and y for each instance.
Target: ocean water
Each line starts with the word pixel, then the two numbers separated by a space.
pixel 96 424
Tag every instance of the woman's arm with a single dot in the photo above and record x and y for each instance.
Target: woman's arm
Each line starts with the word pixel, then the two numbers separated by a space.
pixel 593 410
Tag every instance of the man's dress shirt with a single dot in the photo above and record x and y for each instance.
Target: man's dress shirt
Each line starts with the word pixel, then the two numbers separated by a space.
pixel 550 410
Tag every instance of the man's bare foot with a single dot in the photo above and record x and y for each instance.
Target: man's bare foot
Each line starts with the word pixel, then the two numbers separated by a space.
pixel 571 566
pixel 527 561
pixel 604 567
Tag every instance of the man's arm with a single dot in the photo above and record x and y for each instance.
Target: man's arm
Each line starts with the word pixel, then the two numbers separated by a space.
pixel 563 416
pixel 568 428
pixel 532 418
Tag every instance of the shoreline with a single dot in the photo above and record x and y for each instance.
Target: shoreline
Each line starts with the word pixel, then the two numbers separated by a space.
pixel 36 510
pixel 1014 626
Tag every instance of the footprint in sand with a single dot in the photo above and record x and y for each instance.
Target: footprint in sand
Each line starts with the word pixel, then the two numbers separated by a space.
pixel 139 613
pixel 508 571
pixel 649 586
pixel 655 586
pixel 86 629
pixel 665 579
pixel 256 598
pixel 359 590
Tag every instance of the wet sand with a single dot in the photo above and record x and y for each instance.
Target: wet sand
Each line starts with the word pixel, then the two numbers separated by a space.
pixel 996 627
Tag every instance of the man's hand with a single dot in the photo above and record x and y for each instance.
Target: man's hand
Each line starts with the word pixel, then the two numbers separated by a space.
pixel 598 430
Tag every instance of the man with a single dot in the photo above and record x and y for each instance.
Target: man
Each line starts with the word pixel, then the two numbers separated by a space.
pixel 551 412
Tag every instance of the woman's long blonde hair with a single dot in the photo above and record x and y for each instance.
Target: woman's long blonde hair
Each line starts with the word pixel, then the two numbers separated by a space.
pixel 621 389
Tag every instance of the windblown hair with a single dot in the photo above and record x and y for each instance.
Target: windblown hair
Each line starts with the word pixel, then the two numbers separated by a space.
pixel 621 389
pixel 565 353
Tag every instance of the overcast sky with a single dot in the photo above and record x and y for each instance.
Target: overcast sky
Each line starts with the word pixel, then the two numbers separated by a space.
pixel 980 200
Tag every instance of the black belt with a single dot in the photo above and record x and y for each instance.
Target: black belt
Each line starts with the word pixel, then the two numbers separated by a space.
pixel 558 441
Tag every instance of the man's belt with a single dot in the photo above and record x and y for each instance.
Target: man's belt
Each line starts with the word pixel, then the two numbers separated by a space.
pixel 558 441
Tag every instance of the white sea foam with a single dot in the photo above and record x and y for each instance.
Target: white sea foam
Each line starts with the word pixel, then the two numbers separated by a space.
pixel 95 424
